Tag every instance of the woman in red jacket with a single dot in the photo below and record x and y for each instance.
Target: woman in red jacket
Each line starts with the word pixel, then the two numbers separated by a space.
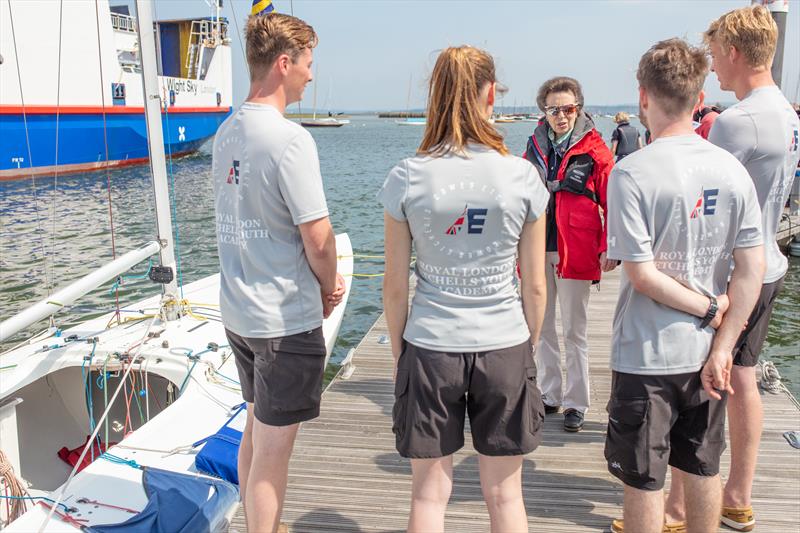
pixel 575 162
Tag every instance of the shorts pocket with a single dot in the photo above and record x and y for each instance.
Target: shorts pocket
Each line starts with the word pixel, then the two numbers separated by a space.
pixel 627 444
pixel 400 409
pixel 294 377
pixel 535 406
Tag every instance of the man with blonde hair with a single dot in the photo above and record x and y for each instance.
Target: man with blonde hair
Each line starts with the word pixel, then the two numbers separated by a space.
pixel 277 258
pixel 761 131
pixel 683 215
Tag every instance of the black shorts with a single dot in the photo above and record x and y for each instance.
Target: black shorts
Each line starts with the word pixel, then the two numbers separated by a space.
pixel 655 421
pixel 282 377
pixel 750 342
pixel 498 390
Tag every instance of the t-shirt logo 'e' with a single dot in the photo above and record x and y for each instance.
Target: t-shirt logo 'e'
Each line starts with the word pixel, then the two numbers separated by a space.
pixel 476 218
pixel 233 173
pixel 707 202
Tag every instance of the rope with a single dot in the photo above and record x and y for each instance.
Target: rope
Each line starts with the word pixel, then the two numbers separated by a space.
pixel 103 418
pixel 239 33
pixel 55 168
pixel 105 141
pixel 173 207
pixel 18 492
pixel 770 378
pixel 28 146
pixel 132 277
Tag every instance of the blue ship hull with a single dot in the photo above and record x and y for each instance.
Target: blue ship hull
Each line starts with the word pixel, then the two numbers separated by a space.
pixel 82 139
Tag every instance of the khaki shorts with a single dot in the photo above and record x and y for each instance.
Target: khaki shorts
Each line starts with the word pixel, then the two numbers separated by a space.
pixel 282 377
pixel 656 421
pixel 434 391
pixel 751 340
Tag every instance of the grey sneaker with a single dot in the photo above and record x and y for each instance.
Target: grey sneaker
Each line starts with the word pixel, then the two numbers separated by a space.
pixel 573 420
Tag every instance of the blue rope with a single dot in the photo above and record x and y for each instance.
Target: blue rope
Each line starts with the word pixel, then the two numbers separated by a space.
pixel 66 509
pixel 120 279
pixel 172 202
pixel 120 461
pixel 220 374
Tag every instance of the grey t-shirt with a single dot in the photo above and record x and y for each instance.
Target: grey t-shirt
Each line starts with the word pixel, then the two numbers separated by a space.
pixel 761 131
pixel 466 215
pixel 684 204
pixel 266 182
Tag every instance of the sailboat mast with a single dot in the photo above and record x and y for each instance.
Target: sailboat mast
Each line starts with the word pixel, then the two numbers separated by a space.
pixel 155 137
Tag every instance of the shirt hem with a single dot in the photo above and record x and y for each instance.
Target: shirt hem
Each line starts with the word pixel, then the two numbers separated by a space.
pixel 636 258
pixel 274 334
pixel 316 215
pixel 658 371
pixel 467 349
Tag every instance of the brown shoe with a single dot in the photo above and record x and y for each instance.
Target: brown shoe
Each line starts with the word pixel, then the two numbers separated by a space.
pixel 617 526
pixel 738 518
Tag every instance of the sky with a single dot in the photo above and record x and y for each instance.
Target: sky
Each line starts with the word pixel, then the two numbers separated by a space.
pixel 370 49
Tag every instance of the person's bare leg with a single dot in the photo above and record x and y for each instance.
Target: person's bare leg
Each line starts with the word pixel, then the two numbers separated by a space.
pixel 501 484
pixel 269 471
pixel 245 454
pixel 703 502
pixel 745 419
pixel 431 485
pixel 674 508
pixel 643 510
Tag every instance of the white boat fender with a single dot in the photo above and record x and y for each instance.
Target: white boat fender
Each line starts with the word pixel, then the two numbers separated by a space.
pixel 794 247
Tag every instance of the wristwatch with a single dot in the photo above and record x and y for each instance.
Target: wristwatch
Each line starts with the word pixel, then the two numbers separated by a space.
pixel 711 313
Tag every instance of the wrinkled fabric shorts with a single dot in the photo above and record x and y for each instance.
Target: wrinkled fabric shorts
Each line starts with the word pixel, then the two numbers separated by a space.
pixel 660 421
pixel 497 389
pixel 281 377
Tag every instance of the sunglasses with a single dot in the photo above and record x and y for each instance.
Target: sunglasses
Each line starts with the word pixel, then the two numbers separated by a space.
pixel 568 109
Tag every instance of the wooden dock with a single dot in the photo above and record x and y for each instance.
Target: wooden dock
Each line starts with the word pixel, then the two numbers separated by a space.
pixel 346 476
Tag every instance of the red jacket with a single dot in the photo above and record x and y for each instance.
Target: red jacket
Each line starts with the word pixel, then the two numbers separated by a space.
pixel 581 231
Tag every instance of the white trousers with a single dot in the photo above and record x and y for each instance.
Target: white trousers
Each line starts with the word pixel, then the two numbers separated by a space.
pixel 573 299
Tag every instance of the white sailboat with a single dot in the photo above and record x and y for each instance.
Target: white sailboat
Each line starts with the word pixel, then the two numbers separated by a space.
pixel 157 383
pixel 325 122
pixel 409 120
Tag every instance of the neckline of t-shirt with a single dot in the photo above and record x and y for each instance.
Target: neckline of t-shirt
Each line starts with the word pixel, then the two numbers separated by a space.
pixel 257 105
pixel 762 89
pixel 677 138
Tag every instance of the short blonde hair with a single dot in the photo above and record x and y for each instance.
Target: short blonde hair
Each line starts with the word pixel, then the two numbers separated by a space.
pixel 454 116
pixel 622 116
pixel 751 30
pixel 673 72
pixel 269 36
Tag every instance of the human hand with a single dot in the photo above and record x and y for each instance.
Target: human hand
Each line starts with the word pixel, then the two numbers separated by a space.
pixel 607 265
pixel 723 303
pixel 716 374
pixel 335 298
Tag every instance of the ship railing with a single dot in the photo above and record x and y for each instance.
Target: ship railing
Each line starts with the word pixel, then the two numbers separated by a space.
pixel 203 35
pixel 123 22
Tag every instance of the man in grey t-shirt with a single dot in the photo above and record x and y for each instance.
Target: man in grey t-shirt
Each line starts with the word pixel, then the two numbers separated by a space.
pixel 761 131
pixel 277 259
pixel 680 212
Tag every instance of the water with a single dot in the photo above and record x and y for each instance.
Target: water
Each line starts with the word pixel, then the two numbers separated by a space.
pixel 71 235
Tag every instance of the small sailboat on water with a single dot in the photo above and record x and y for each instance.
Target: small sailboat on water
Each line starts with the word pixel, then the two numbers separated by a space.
pixel 325 122
pixel 409 120
pixel 116 423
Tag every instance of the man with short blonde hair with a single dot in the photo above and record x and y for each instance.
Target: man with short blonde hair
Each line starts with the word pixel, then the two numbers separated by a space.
pixel 277 258
pixel 761 131
pixel 682 214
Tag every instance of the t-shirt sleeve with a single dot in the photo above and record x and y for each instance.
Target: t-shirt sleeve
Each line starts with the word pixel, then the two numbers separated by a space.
pixel 749 233
pixel 300 180
pixel 537 196
pixel 629 237
pixel 735 132
pixel 615 135
pixel 394 192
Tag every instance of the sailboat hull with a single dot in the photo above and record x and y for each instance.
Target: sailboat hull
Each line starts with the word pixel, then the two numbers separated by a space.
pixel 83 134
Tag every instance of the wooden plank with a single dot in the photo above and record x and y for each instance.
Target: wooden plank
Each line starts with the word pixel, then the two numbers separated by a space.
pixel 345 475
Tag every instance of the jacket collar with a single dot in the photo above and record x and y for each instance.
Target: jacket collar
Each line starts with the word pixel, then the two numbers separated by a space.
pixel 583 125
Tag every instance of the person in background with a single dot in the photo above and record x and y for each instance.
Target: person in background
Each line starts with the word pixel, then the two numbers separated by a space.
pixel 625 139
pixel 467 345
pixel 704 116
pixel 761 131
pixel 277 257
pixel 684 219
pixel 569 153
